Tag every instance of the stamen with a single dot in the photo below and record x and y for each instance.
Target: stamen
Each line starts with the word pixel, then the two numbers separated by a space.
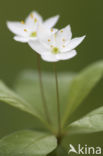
pixel 22 22
pixel 61 31
pixel 25 30
pixel 31 15
pixel 63 46
pixel 51 46
pixel 51 29
pixel 63 39
pixel 49 40
pixel 55 36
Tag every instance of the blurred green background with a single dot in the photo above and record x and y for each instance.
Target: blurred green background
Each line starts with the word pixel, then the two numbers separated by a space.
pixel 85 17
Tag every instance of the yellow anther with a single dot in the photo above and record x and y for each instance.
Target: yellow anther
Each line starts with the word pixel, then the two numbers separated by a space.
pixel 55 36
pixel 35 20
pixel 63 39
pixel 31 15
pixel 63 46
pixel 51 46
pixel 61 31
pixel 51 29
pixel 22 22
pixel 49 40
pixel 25 30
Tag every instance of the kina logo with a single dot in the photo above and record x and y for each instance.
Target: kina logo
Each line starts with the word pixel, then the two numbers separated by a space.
pixel 85 150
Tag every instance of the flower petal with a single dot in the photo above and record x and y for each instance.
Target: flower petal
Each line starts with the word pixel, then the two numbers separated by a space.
pixel 51 21
pixel 63 36
pixel 21 39
pixel 67 55
pixel 18 28
pixel 49 57
pixel 37 46
pixel 33 19
pixel 44 34
pixel 73 44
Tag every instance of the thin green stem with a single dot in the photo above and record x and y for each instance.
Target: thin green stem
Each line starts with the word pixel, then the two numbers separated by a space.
pixel 42 90
pixel 58 102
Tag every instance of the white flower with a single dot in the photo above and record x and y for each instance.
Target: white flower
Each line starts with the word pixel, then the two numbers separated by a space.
pixel 59 46
pixel 28 29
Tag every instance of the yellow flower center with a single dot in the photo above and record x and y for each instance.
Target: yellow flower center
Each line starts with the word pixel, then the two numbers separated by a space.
pixel 33 34
pixel 35 20
pixel 55 50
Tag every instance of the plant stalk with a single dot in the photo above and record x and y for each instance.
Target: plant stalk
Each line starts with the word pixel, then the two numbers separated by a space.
pixel 42 90
pixel 58 101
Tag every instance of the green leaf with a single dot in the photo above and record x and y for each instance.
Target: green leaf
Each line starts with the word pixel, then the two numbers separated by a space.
pixel 27 143
pixel 93 122
pixel 27 85
pixel 11 98
pixel 81 86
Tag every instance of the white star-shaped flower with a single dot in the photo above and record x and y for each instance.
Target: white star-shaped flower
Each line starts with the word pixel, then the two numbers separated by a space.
pixel 28 29
pixel 58 46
